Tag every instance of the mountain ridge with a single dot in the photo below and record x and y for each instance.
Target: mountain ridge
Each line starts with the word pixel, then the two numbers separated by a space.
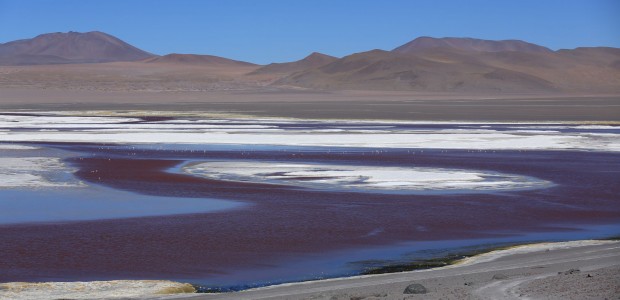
pixel 196 60
pixel 469 44
pixel 423 64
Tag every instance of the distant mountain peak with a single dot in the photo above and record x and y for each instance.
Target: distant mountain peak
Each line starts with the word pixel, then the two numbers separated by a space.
pixel 313 60
pixel 425 43
pixel 318 55
pixel 69 47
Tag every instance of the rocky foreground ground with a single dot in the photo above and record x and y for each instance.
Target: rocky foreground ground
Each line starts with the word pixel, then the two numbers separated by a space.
pixel 571 270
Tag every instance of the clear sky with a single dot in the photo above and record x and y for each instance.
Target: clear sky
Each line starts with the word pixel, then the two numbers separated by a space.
pixel 264 31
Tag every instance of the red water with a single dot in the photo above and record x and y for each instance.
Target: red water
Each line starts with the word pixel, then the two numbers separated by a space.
pixel 280 222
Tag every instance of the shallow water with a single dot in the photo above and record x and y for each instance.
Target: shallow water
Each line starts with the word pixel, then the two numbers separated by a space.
pixel 96 203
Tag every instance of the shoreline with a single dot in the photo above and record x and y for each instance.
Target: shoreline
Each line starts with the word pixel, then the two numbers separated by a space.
pixel 483 255
pixel 165 289
pixel 350 284
pixel 214 115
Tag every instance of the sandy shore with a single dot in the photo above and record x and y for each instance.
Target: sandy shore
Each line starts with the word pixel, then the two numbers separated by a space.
pixel 113 289
pixel 568 270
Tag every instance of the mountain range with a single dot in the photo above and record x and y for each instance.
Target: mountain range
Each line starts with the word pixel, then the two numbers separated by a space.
pixel 424 64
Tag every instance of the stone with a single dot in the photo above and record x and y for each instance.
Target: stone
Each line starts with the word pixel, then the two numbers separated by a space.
pixel 500 277
pixel 572 271
pixel 415 288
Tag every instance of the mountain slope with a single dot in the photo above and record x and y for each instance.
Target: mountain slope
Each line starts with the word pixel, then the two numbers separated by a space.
pixel 384 70
pixel 311 61
pixel 71 47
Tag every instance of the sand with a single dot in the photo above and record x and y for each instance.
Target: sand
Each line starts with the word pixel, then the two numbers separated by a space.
pixel 354 105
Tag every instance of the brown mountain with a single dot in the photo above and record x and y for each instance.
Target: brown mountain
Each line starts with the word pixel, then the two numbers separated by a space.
pixel 384 70
pixel 70 47
pixel 196 60
pixel 436 67
pixel 422 44
pixel 311 61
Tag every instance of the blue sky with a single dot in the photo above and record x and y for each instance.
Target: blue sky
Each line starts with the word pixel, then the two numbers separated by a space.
pixel 264 31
